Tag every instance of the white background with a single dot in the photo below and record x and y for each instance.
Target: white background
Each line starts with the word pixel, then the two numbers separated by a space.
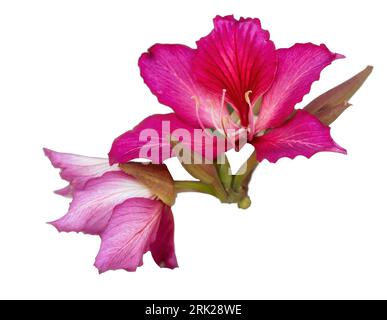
pixel 69 81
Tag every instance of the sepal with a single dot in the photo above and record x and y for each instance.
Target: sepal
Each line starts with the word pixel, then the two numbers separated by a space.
pixel 330 105
pixel 156 177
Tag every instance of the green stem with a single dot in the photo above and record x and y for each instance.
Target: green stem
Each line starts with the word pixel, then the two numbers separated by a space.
pixel 224 171
pixel 194 186
pixel 216 180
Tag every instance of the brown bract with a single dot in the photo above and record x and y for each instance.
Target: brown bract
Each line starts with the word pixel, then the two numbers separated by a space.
pixel 156 177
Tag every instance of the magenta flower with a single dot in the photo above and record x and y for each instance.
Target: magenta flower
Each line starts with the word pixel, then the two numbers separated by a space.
pixel 124 212
pixel 236 83
pixel 234 88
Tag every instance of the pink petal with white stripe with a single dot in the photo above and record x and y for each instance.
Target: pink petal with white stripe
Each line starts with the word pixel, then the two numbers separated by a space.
pixel 93 206
pixel 298 67
pixel 166 70
pixel 303 135
pixel 77 169
pixel 132 231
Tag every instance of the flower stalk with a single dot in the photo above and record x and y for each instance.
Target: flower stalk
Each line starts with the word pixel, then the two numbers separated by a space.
pixel 229 188
pixel 194 186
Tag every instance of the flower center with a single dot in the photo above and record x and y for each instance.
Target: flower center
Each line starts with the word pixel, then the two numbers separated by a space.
pixel 225 119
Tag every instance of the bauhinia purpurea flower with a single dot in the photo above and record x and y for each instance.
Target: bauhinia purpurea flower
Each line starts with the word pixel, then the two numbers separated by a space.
pixel 236 80
pixel 234 88
pixel 131 215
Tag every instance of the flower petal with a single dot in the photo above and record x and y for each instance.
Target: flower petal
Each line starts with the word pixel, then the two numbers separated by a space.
pixel 298 67
pixel 151 139
pixel 239 57
pixel 66 191
pixel 77 169
pixel 166 70
pixel 92 206
pixel 163 248
pixel 302 135
pixel 131 230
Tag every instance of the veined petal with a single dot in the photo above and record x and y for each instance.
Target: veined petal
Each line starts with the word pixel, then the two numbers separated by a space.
pixel 131 231
pixel 302 135
pixel 77 169
pixel 163 248
pixel 151 139
pixel 66 191
pixel 239 57
pixel 92 206
pixel 166 70
pixel 298 67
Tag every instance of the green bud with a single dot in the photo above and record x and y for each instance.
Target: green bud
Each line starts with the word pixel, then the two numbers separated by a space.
pixel 245 203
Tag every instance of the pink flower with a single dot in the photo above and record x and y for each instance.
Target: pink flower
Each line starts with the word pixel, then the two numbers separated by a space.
pixel 117 207
pixel 77 170
pixel 235 83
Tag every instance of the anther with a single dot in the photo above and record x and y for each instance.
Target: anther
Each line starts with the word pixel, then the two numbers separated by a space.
pixel 247 97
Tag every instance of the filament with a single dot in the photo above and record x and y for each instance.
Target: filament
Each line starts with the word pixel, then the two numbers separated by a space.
pixel 197 106
pixel 250 129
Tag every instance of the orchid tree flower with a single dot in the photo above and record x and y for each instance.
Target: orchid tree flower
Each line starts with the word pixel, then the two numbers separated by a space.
pixel 128 206
pixel 235 88
pixel 238 88
pixel 236 83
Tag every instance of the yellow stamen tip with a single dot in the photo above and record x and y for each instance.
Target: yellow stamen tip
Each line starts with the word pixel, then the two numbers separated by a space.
pixel 247 96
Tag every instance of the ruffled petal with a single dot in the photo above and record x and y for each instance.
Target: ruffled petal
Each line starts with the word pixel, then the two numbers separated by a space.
pixel 151 139
pixel 166 70
pixel 298 67
pixel 66 191
pixel 239 57
pixel 77 169
pixel 303 135
pixel 163 248
pixel 130 233
pixel 92 206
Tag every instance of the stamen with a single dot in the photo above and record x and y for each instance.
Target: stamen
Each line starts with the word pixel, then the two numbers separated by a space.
pixel 247 97
pixel 222 107
pixel 197 106
pixel 223 98
pixel 250 129
pixel 213 117
pixel 223 118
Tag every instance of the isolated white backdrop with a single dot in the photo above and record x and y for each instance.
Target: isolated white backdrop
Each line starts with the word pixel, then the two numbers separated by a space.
pixel 69 81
